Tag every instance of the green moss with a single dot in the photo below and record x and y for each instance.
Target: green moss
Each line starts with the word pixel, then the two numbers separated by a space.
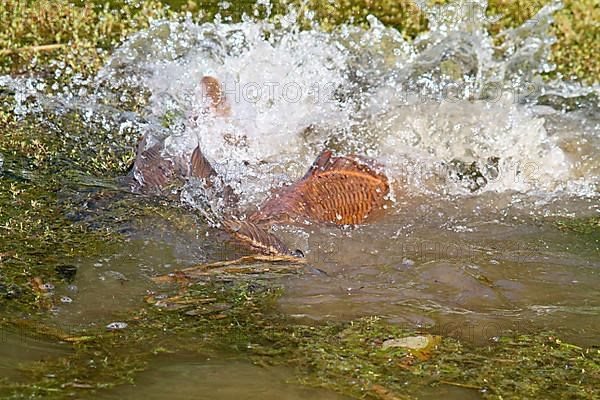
pixel 47 181
pixel 576 28
pixel 403 15
pixel 37 145
pixel 81 36
pixel 37 237
pixel 46 222
pixel 34 32
pixel 347 357
pixel 584 226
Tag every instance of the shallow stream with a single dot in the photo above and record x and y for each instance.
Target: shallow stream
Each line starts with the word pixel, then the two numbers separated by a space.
pixel 486 159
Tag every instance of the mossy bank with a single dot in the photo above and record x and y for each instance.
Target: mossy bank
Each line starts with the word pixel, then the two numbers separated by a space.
pixel 81 36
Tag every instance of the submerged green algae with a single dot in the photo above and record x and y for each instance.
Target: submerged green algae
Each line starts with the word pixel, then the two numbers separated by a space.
pixel 41 228
pixel 47 224
pixel 584 226
pixel 345 357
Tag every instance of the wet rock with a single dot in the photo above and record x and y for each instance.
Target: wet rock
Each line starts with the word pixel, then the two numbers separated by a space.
pixel 418 346
pixel 408 262
pixel 9 291
pixel 570 103
pixel 412 342
pixel 475 175
pixel 66 272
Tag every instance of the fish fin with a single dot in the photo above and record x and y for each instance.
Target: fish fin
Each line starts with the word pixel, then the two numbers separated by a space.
pixel 256 237
pixel 151 169
pixel 212 91
pixel 200 167
pixel 341 190
pixel 353 166
pixel 321 163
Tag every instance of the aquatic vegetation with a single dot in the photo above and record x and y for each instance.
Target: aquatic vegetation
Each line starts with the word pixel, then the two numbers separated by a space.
pixel 350 358
pixel 577 33
pixel 584 226
pixel 40 146
pixel 33 33
pixel 48 180
pixel 38 237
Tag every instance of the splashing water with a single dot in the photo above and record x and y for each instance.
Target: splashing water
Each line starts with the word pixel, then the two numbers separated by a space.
pixel 476 142
pixel 449 114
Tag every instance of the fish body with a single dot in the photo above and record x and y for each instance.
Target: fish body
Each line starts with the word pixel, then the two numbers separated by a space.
pixel 341 190
pixel 154 171
pixel 336 189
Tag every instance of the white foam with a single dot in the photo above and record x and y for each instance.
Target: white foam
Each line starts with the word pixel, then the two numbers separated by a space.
pixel 449 114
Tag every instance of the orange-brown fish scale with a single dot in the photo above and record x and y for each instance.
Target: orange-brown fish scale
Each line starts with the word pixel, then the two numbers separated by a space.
pixel 337 196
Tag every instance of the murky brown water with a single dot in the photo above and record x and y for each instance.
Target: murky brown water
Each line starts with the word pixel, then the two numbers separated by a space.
pixel 465 274
pixel 471 278
pixel 440 265
pixel 212 379
pixel 18 347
